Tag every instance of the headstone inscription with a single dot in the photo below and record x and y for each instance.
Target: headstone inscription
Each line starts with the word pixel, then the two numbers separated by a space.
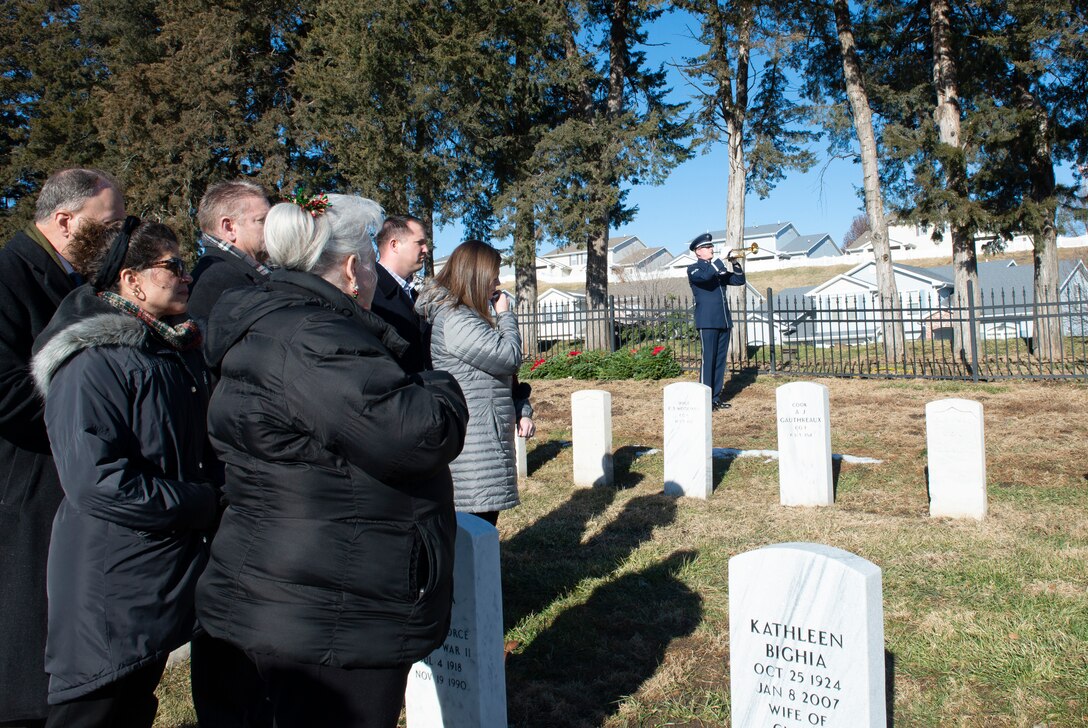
pixel 804 445
pixel 806 638
pixel 591 431
pixel 956 449
pixel 463 682
pixel 688 435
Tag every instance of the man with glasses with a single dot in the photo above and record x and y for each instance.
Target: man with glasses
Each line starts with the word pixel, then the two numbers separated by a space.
pixel 34 277
pixel 402 251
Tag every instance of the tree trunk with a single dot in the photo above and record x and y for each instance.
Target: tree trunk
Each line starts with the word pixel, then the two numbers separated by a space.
pixel 858 97
pixel 1047 330
pixel 525 276
pixel 426 216
pixel 947 117
pixel 735 117
pixel 599 329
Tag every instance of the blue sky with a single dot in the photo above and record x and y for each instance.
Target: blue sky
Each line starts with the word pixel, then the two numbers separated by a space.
pixel 692 200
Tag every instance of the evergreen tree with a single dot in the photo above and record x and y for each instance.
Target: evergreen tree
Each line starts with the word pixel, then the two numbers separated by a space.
pixel 620 130
pixel 828 57
pixel 46 110
pixel 762 146
pixel 197 100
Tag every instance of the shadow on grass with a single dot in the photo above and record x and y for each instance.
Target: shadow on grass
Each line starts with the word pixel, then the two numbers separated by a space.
pixel 548 559
pixel 622 460
pixel 738 382
pixel 543 453
pixel 719 467
pixel 575 672
pixel 836 468
pixel 889 687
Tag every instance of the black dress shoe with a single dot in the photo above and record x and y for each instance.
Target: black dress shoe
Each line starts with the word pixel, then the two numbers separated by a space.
pixel 722 405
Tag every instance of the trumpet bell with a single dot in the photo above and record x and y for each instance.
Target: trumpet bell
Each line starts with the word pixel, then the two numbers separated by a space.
pixel 743 252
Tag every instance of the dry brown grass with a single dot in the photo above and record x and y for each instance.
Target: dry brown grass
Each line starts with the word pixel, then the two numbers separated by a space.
pixel 618 596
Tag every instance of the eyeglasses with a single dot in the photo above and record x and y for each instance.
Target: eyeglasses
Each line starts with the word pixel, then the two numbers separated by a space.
pixel 174 265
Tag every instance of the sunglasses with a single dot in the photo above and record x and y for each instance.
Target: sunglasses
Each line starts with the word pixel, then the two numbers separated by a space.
pixel 174 265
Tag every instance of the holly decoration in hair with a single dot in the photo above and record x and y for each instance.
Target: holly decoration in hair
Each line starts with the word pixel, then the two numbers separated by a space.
pixel 316 205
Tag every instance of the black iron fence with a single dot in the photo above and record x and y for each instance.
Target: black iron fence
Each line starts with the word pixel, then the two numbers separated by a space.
pixel 1003 334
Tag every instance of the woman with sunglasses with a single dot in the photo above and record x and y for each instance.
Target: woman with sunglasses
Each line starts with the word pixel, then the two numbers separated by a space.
pixel 125 409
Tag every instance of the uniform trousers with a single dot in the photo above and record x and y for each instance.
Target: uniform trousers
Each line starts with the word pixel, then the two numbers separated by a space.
pixel 715 344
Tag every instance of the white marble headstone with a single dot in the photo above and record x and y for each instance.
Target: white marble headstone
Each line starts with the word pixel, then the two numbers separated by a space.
pixel 806 638
pixel 521 456
pixel 688 436
pixel 956 446
pixel 463 682
pixel 591 431
pixel 804 445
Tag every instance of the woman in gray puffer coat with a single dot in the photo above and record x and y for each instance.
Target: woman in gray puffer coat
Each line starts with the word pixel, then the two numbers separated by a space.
pixel 475 337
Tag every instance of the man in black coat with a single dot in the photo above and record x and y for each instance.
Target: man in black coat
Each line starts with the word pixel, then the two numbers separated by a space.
pixel 231 217
pixel 708 278
pixel 34 278
pixel 402 251
pixel 227 691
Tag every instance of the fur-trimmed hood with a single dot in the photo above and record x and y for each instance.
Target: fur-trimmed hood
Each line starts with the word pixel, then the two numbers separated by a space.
pixel 83 321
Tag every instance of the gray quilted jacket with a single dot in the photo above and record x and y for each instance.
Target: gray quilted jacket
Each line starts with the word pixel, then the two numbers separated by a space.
pixel 483 360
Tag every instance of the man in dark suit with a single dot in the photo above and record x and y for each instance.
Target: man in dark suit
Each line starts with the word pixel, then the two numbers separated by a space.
pixel 34 278
pixel 402 251
pixel 231 217
pixel 708 278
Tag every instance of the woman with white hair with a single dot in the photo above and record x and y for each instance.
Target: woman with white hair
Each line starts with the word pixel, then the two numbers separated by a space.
pixel 332 567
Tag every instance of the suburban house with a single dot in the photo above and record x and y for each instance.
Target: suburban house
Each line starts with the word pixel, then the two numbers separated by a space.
pixel 846 310
pixel 628 258
pixel 778 241
pixel 930 241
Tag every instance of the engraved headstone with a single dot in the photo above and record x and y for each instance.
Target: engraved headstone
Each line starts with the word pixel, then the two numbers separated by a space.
pixel 591 430
pixel 463 682
pixel 806 638
pixel 521 456
pixel 956 446
pixel 804 445
pixel 688 447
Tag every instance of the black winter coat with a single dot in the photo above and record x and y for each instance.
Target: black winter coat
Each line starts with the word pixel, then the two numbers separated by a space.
pixel 336 547
pixel 218 271
pixel 126 418
pixel 32 285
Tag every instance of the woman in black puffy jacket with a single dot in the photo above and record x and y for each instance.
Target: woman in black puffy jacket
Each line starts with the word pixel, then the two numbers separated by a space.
pixel 125 405
pixel 332 567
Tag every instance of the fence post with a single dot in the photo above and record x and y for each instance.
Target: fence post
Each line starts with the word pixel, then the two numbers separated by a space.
pixel 770 326
pixel 974 330
pixel 611 323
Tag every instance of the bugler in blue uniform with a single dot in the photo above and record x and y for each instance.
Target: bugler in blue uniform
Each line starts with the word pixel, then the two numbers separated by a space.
pixel 708 278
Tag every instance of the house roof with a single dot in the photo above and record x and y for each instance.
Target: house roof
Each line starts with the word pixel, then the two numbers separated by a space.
pixel 580 247
pixel 804 243
pixel 866 238
pixel 755 231
pixel 638 255
pixel 997 276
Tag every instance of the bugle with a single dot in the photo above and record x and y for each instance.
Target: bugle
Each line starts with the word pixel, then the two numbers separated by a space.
pixel 742 252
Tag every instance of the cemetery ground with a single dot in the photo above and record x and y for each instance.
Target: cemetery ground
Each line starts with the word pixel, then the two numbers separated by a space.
pixel 617 596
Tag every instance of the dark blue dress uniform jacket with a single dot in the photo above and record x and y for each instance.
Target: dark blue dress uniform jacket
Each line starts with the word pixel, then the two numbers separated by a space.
pixel 708 288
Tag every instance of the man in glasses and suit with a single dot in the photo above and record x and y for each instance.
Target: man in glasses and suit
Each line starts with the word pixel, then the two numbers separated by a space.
pixel 34 277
